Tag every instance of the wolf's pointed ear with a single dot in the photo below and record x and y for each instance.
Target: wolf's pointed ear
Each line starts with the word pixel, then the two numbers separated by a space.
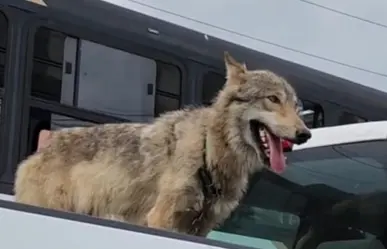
pixel 234 68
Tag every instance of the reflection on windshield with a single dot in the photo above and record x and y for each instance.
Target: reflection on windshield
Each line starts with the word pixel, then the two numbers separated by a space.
pixel 348 168
pixel 344 174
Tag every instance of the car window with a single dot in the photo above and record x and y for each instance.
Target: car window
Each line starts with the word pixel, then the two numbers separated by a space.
pixel 329 197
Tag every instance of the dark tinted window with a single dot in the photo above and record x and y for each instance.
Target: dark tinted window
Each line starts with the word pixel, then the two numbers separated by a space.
pixel 3 44
pixel 3 50
pixel 328 198
pixel 168 78
pixel 349 118
pixel 168 88
pixel 49 45
pixel 47 81
pixel 212 83
pixel 2 67
pixel 47 66
pixel 165 103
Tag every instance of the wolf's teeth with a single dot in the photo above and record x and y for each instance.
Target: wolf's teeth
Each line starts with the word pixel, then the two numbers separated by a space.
pixel 267 152
pixel 265 145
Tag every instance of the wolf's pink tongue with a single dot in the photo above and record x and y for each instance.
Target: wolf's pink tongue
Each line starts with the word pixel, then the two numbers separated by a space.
pixel 277 157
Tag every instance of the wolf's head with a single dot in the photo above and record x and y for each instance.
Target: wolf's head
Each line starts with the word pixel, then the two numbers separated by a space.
pixel 262 109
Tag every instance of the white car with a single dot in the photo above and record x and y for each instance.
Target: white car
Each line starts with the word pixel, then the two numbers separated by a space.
pixel 331 196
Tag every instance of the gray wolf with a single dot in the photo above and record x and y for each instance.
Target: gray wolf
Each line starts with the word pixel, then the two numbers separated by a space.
pixel 185 172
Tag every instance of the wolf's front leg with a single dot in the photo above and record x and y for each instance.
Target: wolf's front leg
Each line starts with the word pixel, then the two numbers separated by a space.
pixel 174 211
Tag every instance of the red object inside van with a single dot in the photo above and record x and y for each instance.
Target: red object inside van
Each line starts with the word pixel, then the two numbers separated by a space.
pixel 287 146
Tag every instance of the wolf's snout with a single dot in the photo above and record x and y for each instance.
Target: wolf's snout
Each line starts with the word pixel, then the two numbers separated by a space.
pixel 302 136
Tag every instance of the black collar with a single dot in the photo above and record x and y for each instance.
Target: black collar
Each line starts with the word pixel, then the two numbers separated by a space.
pixel 210 191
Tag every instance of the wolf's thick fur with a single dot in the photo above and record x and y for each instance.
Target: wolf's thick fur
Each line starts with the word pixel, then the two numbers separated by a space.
pixel 146 174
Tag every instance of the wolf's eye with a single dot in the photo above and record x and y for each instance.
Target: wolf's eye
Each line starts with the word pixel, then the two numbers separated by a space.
pixel 274 99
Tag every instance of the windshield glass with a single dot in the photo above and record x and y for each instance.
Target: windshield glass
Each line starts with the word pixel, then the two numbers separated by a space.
pixel 329 197
pixel 353 168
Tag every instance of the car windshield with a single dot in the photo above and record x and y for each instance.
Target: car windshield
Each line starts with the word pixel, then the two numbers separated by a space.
pixel 329 197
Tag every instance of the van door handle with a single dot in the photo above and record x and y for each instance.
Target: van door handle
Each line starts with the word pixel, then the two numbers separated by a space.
pixel 150 89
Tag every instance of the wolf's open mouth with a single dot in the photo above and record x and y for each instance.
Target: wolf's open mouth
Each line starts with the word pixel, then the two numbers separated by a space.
pixel 270 146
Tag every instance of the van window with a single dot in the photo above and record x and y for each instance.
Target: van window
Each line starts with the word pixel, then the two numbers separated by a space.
pixel 168 88
pixel 349 118
pixel 3 44
pixel 326 198
pixel 90 75
pixel 3 50
pixel 47 66
pixel 212 83
pixel 314 119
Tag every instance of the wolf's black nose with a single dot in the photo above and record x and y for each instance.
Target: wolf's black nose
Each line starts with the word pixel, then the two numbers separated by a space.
pixel 302 136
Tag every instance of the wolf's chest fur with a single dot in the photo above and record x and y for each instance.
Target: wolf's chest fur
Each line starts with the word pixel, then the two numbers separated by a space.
pixel 209 219
pixel 219 196
pixel 206 214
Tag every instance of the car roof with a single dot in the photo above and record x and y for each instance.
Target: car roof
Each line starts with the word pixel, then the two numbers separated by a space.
pixel 342 134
